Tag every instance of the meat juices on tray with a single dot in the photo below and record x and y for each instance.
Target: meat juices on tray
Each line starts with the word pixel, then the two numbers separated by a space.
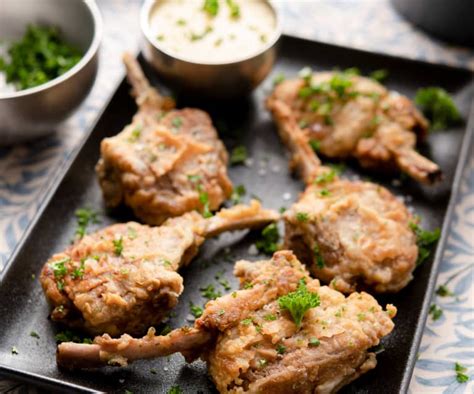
pixel 123 278
pixel 162 162
pixel 349 233
pixel 252 344
pixel 348 115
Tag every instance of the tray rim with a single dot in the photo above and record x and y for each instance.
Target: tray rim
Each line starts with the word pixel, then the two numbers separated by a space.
pixel 467 139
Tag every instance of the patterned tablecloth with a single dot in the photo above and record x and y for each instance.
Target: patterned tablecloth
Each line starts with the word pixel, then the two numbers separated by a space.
pixel 27 171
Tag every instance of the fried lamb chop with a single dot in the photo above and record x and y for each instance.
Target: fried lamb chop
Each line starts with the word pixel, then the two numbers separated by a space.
pixel 153 165
pixel 124 278
pixel 349 233
pixel 346 115
pixel 265 338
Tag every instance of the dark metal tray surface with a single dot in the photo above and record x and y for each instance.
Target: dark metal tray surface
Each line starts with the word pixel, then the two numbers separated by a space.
pixel 23 307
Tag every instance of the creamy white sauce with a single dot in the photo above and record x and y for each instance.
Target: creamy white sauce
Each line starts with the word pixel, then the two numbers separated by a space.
pixel 182 28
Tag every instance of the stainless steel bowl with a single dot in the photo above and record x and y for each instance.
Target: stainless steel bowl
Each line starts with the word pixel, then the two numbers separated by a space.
pixel 37 111
pixel 222 80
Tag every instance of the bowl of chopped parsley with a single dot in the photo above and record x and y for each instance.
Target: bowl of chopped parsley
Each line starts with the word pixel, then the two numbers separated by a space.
pixel 48 63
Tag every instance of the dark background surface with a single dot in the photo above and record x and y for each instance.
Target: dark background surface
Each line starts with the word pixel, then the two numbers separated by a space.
pixel 243 122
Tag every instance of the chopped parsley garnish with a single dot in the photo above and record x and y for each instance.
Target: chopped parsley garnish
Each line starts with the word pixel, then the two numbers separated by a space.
pixel 314 342
pixel 210 292
pixel 319 257
pixel 135 134
pixel 461 377
pixel 78 272
pixel 361 316
pixel 225 284
pixel 379 75
pixel 69 336
pixel 196 36
pixel 234 8
pixel 166 330
pixel 175 390
pixel 118 246
pixel 177 122
pixel 324 192
pixel 238 155
pixel 299 302
pixel 247 322
pixel 315 145
pixel 211 7
pixel 270 317
pixel 204 200
pixel 435 312
pixel 59 267
pixel 248 285
pixel 38 57
pixel 269 240
pixel 443 291
pixel 84 217
pixel 281 349
pixel 326 177
pixel 237 193
pixel 14 350
pixel 438 106
pixel 34 334
pixel 279 78
pixel 196 310
pixel 425 240
pixel 302 217
pixel 194 178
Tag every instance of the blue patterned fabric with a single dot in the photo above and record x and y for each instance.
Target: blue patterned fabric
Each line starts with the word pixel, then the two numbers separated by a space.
pixel 28 171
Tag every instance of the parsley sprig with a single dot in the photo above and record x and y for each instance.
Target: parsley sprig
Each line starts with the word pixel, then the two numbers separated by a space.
pixel 299 302
pixel 425 240
pixel 269 241
pixel 84 217
pixel 438 106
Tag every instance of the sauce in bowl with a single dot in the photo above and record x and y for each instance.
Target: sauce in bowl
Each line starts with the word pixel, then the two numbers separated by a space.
pixel 213 31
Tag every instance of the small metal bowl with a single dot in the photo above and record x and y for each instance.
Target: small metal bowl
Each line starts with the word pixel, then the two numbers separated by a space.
pixel 37 111
pixel 212 80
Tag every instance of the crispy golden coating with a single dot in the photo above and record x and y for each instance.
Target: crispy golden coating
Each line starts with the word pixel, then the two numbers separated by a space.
pixel 123 278
pixel 162 162
pixel 366 121
pixel 251 345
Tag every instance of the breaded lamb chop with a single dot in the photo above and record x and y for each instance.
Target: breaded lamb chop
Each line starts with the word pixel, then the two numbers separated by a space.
pixel 253 344
pixel 348 233
pixel 124 278
pixel 346 115
pixel 162 163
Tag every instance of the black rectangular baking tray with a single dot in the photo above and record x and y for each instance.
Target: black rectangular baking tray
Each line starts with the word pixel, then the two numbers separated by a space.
pixel 23 307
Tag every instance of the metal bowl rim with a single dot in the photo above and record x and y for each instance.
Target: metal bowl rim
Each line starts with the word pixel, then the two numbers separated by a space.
pixel 90 53
pixel 145 27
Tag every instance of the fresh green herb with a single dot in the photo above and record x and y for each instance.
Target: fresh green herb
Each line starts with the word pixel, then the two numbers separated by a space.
pixel 269 241
pixel 279 78
pixel 181 22
pixel 238 155
pixel 438 106
pixel 221 312
pixel 84 217
pixel 237 193
pixel 302 217
pixel 59 267
pixel 196 36
pixel 306 74
pixel 225 284
pixel 352 71
pixel 315 145
pixel 319 257
pixel 177 122
pixel 118 246
pixel 175 390
pixel 210 292
pixel 282 209
pixel 234 8
pixel 361 316
pixel 78 272
pixel 281 349
pixel 326 177
pixel 14 350
pixel 461 377
pixel 443 291
pixel 211 7
pixel 379 75
pixel 247 322
pixel 166 330
pixel 34 334
pixel 196 310
pixel 234 294
pixel 38 57
pixel 435 312
pixel 425 240
pixel 270 317
pixel 194 178
pixel 299 302
pixel 248 285
pixel 135 134
pixel 324 192
pixel 204 200
pixel 314 342
pixel 69 336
